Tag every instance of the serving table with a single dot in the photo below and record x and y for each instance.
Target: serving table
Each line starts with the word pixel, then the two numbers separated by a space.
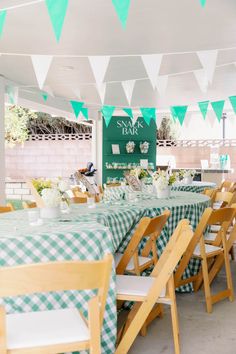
pixel 89 233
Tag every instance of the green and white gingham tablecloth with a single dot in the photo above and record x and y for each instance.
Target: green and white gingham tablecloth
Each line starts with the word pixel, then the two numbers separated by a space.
pixel 195 187
pixel 88 233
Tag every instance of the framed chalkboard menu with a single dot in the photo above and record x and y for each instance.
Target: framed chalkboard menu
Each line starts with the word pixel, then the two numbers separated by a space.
pixel 129 138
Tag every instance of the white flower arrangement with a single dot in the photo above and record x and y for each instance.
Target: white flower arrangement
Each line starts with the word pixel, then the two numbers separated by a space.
pixel 189 173
pixel 51 197
pixel 144 147
pixel 130 146
pixel 52 191
pixel 162 179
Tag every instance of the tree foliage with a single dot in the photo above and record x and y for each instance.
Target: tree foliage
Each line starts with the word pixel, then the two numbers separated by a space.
pixel 169 129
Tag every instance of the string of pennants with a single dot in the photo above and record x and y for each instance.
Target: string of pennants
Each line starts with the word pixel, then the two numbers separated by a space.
pixel 178 112
pixel 57 12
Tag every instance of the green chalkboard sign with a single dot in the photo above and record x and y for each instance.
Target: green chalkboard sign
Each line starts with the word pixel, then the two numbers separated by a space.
pixel 119 132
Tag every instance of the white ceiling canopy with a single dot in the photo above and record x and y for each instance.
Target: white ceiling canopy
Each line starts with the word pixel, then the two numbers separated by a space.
pixel 91 28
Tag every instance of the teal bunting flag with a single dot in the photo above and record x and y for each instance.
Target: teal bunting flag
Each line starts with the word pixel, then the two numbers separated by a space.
pixel 179 112
pixel 148 114
pixel 203 106
pixel 45 96
pixel 3 14
pixel 128 111
pixel 203 3
pixel 77 107
pixel 122 10
pixel 218 107
pixel 233 102
pixel 84 111
pixel 174 116
pixel 10 93
pixel 107 112
pixel 57 12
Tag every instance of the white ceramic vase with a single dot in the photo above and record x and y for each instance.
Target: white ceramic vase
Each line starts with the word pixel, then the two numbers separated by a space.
pixel 50 212
pixel 163 193
pixel 188 180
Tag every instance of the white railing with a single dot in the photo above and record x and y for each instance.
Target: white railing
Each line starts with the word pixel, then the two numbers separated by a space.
pixel 56 137
pixel 197 143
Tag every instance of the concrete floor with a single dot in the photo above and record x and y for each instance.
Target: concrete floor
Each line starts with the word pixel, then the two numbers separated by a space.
pixel 200 333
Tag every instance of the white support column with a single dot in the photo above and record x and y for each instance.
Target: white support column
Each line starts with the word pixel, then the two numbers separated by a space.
pixel 99 142
pixel 2 141
pixel 94 143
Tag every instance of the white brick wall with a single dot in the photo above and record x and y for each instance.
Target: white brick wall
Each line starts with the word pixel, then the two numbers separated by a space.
pixel 47 159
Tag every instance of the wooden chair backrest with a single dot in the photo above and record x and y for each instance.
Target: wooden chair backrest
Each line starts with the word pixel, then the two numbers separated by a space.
pixel 79 200
pixel 163 271
pixel 225 197
pixel 10 205
pixel 29 205
pixel 110 185
pixel 5 209
pixel 76 191
pixel 57 276
pixel 226 186
pixel 147 227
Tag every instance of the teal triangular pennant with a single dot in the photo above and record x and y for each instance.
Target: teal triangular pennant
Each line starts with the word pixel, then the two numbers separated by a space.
pixel 128 111
pixel 77 107
pixel 3 14
pixel 45 96
pixel 57 12
pixel 107 112
pixel 148 114
pixel 203 3
pixel 203 106
pixel 233 102
pixel 174 116
pixel 122 10
pixel 84 111
pixel 179 112
pixel 10 94
pixel 218 107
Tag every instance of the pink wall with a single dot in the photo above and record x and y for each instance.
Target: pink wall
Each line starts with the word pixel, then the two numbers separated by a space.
pixel 188 157
pixel 47 158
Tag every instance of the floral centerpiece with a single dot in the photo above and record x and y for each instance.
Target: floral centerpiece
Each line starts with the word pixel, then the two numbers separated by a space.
pixel 163 181
pixel 53 193
pixel 187 176
pixel 130 146
pixel 140 173
pixel 144 147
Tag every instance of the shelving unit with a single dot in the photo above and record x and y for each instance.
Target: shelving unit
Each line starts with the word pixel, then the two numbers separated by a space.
pixel 114 134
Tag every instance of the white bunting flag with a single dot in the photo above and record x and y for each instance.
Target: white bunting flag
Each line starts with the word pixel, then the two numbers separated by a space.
pixel 152 65
pixel 99 66
pixel 202 80
pixel 161 84
pixel 102 91
pixel 208 60
pixel 41 64
pixel 128 87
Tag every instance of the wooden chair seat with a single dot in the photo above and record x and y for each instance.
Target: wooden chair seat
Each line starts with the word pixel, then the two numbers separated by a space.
pixel 210 250
pixel 45 328
pixel 144 262
pixel 129 287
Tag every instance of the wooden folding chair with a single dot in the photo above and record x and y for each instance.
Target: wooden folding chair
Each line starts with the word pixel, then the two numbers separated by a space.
pixel 147 291
pixel 206 253
pixel 29 205
pixel 5 209
pixel 130 261
pixel 223 199
pixel 54 331
pixel 211 193
pixel 226 186
pixel 79 200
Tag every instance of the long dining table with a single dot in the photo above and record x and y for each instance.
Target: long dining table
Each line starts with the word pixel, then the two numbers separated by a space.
pixel 88 233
